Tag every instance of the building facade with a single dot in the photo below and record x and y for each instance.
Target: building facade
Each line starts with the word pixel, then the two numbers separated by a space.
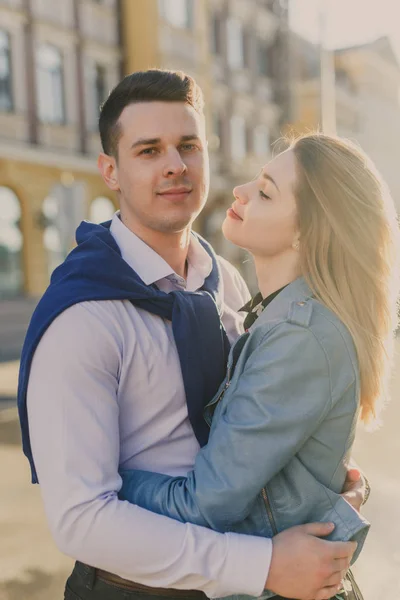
pixel 367 99
pixel 368 79
pixel 57 62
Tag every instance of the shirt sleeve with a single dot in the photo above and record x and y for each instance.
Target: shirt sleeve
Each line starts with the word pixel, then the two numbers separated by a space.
pixel 73 423
pixel 279 400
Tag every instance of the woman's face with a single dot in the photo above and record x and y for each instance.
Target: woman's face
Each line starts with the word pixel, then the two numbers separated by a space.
pixel 263 217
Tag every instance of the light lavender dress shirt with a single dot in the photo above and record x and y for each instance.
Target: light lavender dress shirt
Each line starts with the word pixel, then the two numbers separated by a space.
pixel 107 376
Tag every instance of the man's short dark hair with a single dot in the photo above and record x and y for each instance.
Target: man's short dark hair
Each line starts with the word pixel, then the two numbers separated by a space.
pixel 145 86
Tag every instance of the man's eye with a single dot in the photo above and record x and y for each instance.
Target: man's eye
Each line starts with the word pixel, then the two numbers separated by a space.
pixel 148 151
pixel 264 195
pixel 188 147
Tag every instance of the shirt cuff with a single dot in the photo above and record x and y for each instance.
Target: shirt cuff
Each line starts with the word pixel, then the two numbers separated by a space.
pixel 247 565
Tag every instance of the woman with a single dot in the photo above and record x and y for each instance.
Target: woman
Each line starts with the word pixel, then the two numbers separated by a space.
pixel 323 234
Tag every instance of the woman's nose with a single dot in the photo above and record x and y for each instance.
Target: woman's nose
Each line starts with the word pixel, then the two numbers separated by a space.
pixel 240 195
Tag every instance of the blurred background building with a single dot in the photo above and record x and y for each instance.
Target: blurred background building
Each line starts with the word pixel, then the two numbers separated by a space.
pixel 367 98
pixel 58 62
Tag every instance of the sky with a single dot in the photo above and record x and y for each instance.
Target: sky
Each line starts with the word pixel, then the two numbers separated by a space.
pixel 347 22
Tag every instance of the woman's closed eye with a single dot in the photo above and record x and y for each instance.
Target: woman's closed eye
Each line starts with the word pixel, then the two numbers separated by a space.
pixel 264 195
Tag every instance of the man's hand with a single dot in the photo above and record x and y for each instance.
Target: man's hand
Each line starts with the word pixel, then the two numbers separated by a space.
pixel 355 489
pixel 306 567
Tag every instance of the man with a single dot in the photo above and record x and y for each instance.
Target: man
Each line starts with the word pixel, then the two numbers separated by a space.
pixel 122 353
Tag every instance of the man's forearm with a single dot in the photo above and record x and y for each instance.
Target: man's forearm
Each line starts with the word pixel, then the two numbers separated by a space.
pixel 159 552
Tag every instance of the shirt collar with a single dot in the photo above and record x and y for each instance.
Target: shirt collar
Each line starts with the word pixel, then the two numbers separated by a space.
pixel 256 305
pixel 150 266
pixel 259 303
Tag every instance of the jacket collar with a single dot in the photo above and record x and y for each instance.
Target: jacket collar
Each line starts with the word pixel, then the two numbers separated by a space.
pixel 297 291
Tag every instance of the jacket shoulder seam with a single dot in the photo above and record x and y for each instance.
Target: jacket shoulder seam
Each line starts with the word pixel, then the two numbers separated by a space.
pixel 304 328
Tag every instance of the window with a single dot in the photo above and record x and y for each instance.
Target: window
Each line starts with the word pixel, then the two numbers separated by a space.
pixel 238 137
pixel 100 87
pixel 6 97
pixel 235 43
pixel 249 139
pixel 10 244
pixel 50 85
pixel 215 30
pixel 62 210
pixel 276 6
pixel 310 62
pixel 179 13
pixel 96 90
pixel 262 59
pixel 261 141
pixel 52 241
pixel 218 138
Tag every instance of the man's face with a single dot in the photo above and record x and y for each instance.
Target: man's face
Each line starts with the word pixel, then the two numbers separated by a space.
pixel 161 173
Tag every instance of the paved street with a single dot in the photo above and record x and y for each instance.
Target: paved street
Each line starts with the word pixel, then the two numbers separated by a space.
pixel 31 568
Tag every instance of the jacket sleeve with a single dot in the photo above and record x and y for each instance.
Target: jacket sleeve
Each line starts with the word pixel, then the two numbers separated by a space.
pixel 281 397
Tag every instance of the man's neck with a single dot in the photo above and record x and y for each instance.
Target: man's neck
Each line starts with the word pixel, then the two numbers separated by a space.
pixel 172 247
pixel 275 272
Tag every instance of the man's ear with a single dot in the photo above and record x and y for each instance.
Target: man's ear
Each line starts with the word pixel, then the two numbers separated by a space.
pixel 107 166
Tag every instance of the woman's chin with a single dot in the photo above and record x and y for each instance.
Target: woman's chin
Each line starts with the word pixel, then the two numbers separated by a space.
pixel 227 231
pixel 230 233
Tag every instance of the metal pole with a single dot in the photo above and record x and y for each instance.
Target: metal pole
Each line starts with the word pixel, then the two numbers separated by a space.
pixel 327 64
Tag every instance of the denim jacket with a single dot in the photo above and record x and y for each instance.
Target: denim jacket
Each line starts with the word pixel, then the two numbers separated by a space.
pixel 282 427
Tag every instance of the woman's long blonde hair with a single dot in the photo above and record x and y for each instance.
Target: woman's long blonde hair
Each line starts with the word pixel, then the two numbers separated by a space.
pixel 349 249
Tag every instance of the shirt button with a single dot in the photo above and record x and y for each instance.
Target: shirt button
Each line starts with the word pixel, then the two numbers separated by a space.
pixel 301 303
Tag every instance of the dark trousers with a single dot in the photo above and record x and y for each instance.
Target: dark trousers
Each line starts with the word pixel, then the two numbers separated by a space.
pixel 84 583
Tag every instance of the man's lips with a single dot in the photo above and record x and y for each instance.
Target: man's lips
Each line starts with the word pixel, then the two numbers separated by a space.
pixel 174 191
pixel 179 193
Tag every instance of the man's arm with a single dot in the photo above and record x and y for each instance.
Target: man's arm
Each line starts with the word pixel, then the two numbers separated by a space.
pixel 73 423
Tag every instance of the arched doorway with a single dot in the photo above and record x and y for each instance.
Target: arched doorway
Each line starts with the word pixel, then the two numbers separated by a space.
pixel 51 234
pixel 63 209
pixel 11 274
pixel 101 210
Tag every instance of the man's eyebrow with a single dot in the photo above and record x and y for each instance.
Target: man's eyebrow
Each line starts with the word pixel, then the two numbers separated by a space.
pixel 153 141
pixel 192 136
pixel 146 142
pixel 269 178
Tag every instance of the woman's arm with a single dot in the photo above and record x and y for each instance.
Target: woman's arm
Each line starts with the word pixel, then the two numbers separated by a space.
pixel 280 399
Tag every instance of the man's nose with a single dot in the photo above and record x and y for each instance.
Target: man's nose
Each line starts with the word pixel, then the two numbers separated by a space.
pixel 174 165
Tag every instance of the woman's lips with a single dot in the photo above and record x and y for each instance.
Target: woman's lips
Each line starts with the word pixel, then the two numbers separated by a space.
pixel 233 215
